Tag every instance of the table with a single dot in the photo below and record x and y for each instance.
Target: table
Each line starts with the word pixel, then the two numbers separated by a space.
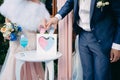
pixel 33 56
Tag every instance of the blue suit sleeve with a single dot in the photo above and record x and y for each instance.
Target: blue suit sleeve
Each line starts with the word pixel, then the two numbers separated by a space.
pixel 67 7
pixel 115 6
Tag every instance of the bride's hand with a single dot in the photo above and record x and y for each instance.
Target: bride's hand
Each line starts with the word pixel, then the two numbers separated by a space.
pixel 8 38
pixel 42 27
pixel 44 22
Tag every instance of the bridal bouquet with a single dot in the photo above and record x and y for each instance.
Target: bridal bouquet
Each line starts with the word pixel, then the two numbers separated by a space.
pixel 11 31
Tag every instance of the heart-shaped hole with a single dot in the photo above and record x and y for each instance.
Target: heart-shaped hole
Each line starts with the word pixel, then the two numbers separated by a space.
pixel 46 43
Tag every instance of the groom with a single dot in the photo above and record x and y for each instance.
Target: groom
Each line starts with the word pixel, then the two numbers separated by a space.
pixel 98 26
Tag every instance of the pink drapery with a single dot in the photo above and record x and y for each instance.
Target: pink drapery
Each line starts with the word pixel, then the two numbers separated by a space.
pixel 65 45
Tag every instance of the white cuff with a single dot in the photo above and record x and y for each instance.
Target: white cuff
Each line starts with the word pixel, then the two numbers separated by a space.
pixel 58 16
pixel 116 46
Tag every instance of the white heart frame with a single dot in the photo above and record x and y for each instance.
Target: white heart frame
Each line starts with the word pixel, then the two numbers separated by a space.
pixel 51 51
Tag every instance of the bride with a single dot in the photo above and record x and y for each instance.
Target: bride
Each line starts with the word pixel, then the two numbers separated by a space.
pixel 29 14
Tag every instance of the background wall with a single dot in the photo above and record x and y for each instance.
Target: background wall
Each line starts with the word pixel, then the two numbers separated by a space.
pixel 4 47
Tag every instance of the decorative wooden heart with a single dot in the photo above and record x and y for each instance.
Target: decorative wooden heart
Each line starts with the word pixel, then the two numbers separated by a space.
pixel 41 29
pixel 46 43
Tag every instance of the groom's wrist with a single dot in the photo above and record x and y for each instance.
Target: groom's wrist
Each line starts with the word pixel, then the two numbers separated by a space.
pixel 116 46
pixel 58 16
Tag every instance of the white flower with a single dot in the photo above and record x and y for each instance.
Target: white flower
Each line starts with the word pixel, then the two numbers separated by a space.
pixel 8 27
pixel 6 34
pixel 99 4
pixel 102 4
pixel 107 3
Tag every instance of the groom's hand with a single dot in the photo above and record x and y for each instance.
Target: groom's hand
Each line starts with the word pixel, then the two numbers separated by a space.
pixel 53 21
pixel 114 55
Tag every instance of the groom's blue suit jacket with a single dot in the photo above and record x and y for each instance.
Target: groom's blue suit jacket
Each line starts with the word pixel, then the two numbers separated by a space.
pixel 104 23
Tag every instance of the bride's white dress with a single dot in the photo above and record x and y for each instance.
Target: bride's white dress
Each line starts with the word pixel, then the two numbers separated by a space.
pixel 26 13
pixel 29 16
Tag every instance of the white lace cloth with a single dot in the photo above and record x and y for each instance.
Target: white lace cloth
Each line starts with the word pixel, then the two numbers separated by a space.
pixel 25 13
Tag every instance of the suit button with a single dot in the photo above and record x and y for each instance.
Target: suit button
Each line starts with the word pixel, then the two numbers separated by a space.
pixel 92 29
pixel 99 41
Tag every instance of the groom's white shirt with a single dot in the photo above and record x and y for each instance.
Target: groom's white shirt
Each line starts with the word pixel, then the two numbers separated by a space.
pixel 84 13
pixel 84 22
